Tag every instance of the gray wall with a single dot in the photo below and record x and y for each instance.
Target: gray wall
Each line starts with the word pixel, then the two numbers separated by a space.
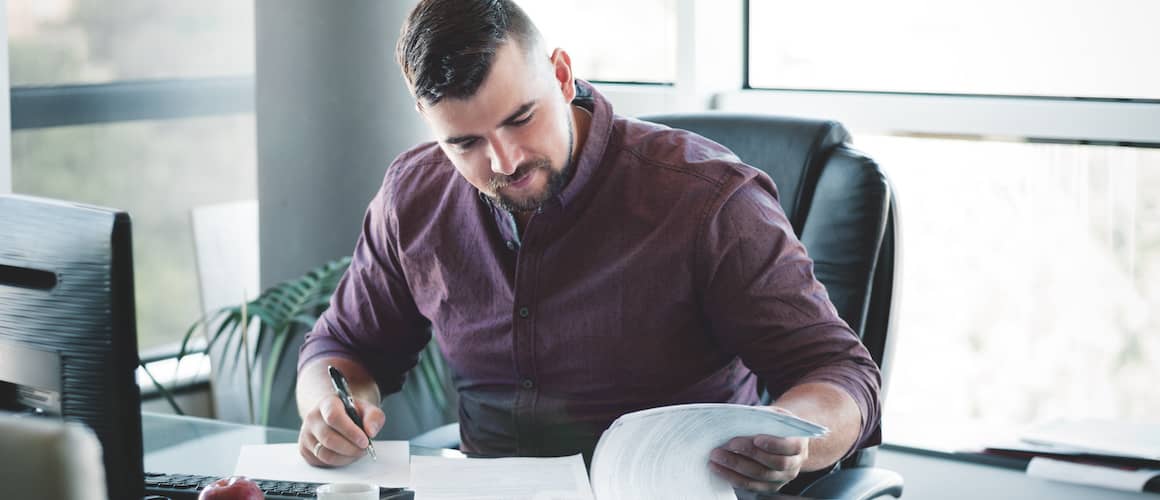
pixel 332 112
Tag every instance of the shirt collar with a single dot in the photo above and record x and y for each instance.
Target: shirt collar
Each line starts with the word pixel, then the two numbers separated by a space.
pixel 592 152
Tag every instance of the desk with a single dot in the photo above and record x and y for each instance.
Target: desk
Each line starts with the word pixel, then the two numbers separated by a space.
pixel 209 447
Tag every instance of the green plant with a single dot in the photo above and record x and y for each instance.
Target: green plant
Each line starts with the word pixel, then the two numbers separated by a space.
pixel 283 311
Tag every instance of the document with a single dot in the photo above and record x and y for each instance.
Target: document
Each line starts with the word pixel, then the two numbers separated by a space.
pixel 1094 475
pixel 656 453
pixel 282 462
pixel 519 478
pixel 664 452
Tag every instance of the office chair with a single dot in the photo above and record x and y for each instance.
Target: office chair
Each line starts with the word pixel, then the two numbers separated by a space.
pixel 842 208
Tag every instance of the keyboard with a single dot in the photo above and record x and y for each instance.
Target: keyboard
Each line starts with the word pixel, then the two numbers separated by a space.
pixel 187 487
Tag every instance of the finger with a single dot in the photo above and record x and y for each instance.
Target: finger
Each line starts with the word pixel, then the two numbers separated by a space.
pixel 744 482
pixel 372 416
pixel 747 467
pixel 305 444
pixel 779 445
pixel 746 446
pixel 334 414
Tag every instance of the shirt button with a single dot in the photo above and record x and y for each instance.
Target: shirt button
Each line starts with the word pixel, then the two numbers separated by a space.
pixel 524 312
pixel 527 383
pixel 511 245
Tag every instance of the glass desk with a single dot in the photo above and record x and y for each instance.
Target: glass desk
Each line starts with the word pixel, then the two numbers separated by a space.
pixel 192 445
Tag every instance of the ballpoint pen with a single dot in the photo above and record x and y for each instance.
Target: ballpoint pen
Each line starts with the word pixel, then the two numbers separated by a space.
pixel 343 390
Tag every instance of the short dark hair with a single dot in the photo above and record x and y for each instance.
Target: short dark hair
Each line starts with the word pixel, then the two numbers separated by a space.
pixel 447 46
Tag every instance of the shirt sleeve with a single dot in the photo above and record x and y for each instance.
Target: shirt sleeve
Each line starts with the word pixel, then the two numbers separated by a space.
pixel 765 305
pixel 372 318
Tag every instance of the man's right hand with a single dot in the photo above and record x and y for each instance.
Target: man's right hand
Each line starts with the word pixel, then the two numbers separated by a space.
pixel 330 439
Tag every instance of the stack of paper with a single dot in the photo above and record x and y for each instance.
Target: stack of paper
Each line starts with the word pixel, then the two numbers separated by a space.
pixel 1117 455
pixel 664 452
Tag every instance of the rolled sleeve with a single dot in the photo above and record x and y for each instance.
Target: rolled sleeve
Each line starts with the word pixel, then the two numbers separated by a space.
pixel 765 305
pixel 372 318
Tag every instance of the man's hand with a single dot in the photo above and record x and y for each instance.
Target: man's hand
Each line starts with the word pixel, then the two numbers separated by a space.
pixel 760 463
pixel 330 439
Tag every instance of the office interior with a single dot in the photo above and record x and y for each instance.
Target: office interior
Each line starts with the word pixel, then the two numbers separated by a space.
pixel 1022 142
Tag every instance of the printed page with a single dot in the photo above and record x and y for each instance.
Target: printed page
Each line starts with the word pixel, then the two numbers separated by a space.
pixel 441 478
pixel 664 452
pixel 282 462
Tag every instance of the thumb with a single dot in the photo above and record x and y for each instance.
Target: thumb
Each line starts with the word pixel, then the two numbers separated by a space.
pixel 372 416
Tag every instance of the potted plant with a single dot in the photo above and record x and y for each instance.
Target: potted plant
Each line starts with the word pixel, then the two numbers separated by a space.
pixel 255 345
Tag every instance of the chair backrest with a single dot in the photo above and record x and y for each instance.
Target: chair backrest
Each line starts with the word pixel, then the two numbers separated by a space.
pixel 840 204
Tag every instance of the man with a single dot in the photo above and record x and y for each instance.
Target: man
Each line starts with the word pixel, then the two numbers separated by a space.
pixel 575 265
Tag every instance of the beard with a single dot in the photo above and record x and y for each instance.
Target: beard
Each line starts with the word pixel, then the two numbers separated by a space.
pixel 557 180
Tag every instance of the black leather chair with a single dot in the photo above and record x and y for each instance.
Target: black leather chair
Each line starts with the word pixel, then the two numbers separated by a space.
pixel 842 207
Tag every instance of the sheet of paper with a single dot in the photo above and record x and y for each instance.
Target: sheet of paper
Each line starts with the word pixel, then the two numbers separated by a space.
pixel 1139 440
pixel 282 462
pixel 440 478
pixel 664 452
pixel 1093 475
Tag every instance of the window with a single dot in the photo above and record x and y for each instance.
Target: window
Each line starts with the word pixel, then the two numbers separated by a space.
pixel 157 171
pixel 612 40
pixel 1030 268
pixel 97 41
pixel 1030 283
pixel 1071 48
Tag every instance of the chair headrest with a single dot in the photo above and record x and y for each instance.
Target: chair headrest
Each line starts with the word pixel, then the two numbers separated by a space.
pixel 790 150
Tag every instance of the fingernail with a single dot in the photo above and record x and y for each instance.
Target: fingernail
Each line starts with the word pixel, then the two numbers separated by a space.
pixel 362 442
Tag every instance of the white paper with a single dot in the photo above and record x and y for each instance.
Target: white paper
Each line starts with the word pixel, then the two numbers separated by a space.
pixel 282 462
pixel 440 478
pixel 664 452
pixel 1093 475
pixel 1138 440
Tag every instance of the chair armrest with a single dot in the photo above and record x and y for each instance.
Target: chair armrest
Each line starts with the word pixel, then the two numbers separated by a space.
pixel 857 483
pixel 444 436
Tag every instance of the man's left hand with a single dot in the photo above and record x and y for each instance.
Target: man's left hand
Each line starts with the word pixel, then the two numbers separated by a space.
pixel 760 463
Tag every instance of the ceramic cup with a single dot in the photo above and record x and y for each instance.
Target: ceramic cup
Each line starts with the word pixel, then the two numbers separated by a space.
pixel 348 491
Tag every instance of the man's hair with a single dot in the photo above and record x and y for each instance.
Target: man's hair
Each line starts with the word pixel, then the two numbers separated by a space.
pixel 447 46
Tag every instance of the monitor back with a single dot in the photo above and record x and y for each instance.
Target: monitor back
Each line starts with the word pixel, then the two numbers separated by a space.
pixel 68 340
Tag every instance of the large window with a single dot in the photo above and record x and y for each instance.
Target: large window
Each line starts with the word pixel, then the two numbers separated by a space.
pixel 156 170
pixel 1071 48
pixel 90 41
pixel 612 40
pixel 1030 264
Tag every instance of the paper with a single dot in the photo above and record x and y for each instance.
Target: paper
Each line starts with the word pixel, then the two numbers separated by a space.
pixel 664 452
pixel 440 478
pixel 1106 437
pixel 1092 475
pixel 282 462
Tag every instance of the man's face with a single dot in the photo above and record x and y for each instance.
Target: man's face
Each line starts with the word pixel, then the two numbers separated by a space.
pixel 512 140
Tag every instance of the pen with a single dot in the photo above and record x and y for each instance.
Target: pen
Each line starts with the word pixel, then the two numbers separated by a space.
pixel 343 390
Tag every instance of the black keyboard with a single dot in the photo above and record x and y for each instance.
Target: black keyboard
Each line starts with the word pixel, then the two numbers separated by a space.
pixel 187 487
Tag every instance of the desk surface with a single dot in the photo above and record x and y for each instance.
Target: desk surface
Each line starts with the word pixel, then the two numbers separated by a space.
pixel 209 447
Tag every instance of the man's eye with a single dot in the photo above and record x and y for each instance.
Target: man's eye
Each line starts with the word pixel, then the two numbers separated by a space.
pixel 465 145
pixel 522 121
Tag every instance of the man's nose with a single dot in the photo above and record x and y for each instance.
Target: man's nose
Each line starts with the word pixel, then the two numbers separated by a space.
pixel 505 157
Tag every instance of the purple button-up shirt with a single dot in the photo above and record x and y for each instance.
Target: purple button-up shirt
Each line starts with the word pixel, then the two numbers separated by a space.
pixel 665 272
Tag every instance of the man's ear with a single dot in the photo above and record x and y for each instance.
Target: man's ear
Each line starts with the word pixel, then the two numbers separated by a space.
pixel 562 70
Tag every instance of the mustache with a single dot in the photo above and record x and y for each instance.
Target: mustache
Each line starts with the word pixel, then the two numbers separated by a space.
pixel 500 181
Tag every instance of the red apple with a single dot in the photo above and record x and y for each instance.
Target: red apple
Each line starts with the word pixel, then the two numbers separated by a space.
pixel 232 488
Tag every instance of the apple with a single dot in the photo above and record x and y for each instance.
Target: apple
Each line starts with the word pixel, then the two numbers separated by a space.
pixel 232 488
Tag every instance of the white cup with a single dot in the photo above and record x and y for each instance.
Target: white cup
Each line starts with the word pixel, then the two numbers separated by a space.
pixel 348 491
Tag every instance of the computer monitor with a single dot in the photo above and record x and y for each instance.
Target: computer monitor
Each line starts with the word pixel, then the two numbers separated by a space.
pixel 68 338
